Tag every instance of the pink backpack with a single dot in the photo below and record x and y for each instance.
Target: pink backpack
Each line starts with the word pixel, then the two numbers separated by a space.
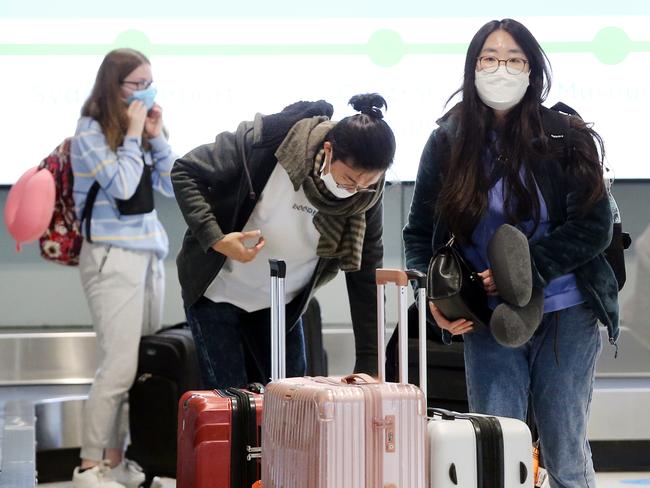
pixel 41 206
pixel 61 241
pixel 29 206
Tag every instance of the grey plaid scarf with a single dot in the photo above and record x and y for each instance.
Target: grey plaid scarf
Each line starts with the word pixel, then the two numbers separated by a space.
pixel 340 222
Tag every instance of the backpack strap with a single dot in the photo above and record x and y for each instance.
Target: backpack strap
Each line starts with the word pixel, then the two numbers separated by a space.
pixel 87 212
pixel 555 122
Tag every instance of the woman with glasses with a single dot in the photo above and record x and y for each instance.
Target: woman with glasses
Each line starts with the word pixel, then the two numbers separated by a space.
pixel 490 162
pixel 119 155
pixel 295 186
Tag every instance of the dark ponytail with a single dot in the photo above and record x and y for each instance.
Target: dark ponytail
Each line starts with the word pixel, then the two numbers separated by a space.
pixel 364 141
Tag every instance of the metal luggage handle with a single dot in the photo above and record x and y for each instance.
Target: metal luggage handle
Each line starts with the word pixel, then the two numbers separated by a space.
pixel 401 278
pixel 278 270
pixel 384 276
pixel 421 280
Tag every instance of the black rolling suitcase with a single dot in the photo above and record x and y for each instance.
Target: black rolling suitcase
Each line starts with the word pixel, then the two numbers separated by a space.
pixel 446 383
pixel 167 368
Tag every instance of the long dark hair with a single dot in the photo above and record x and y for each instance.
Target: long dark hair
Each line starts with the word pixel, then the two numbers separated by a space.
pixel 464 194
pixel 105 103
pixel 365 141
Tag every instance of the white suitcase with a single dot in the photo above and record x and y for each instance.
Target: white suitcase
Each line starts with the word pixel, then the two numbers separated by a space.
pixel 479 451
pixel 472 450
pixel 352 432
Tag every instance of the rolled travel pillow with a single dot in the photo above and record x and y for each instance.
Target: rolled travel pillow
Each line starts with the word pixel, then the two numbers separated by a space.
pixel 509 257
pixel 513 326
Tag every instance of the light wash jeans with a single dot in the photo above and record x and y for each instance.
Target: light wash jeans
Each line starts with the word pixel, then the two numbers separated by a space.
pixel 234 346
pixel 556 369
pixel 125 291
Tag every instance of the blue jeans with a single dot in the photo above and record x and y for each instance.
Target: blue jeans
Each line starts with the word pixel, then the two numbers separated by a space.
pixel 556 370
pixel 234 346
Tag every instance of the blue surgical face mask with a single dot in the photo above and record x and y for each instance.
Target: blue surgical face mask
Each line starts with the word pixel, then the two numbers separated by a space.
pixel 145 96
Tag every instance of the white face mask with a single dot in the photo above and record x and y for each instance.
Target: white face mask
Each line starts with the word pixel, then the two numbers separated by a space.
pixel 501 90
pixel 329 182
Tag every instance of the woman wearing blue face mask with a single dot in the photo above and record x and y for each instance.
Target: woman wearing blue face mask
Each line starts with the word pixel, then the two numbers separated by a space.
pixel 295 186
pixel 119 155
pixel 491 162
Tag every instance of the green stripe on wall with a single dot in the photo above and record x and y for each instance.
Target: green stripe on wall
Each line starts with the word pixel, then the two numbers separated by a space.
pixel 385 47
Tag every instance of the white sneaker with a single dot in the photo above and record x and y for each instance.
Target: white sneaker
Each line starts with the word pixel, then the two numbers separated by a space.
pixel 156 483
pixel 129 473
pixel 98 476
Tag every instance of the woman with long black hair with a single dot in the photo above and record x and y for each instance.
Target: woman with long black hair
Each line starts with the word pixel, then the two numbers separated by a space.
pixel 491 163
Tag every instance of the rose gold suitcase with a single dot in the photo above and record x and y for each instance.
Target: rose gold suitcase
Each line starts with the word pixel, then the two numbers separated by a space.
pixel 352 432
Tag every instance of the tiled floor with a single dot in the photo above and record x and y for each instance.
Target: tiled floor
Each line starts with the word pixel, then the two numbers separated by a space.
pixel 605 480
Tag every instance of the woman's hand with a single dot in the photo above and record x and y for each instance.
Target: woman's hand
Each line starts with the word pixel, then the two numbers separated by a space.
pixel 457 327
pixel 137 113
pixel 153 124
pixel 488 282
pixel 233 246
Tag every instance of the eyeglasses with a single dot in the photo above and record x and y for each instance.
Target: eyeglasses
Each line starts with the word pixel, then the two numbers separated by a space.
pixel 355 188
pixel 140 85
pixel 351 188
pixel 490 64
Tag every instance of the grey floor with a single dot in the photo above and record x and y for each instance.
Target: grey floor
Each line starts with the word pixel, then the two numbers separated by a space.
pixel 605 480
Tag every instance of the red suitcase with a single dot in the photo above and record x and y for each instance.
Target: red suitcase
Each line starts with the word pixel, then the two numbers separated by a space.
pixel 219 431
pixel 219 439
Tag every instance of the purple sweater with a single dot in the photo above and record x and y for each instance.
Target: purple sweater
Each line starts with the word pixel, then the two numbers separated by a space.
pixel 561 292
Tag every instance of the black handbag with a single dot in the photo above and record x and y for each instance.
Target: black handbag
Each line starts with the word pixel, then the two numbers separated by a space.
pixel 142 200
pixel 614 253
pixel 455 288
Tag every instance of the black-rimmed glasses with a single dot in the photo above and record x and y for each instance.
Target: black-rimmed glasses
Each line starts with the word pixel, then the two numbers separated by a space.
pixel 490 64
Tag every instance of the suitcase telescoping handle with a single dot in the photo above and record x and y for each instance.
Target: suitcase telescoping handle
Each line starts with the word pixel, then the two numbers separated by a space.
pixel 421 281
pixel 401 279
pixel 278 320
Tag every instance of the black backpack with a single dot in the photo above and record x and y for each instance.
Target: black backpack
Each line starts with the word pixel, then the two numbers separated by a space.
pixel 556 126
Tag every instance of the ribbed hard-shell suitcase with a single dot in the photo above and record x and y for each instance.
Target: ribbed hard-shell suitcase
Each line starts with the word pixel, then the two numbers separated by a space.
pixel 347 432
pixel 218 439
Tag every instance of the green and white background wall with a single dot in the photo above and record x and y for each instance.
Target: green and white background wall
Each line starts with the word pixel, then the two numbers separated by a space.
pixel 216 63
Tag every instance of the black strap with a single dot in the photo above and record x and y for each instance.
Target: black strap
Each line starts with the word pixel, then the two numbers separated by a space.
pixel 555 122
pixel 88 208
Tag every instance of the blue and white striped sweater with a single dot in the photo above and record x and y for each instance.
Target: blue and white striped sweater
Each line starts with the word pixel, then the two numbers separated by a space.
pixel 118 173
